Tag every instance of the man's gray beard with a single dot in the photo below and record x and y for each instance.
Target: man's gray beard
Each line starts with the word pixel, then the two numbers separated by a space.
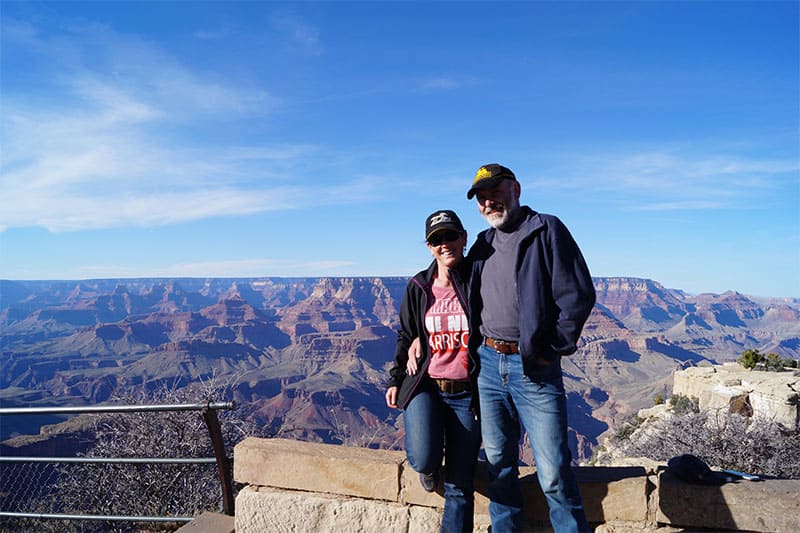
pixel 497 222
pixel 507 220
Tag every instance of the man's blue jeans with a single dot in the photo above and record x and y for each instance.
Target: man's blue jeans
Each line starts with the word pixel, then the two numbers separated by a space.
pixel 507 397
pixel 441 425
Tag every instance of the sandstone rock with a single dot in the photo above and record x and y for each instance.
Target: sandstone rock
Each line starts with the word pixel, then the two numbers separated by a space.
pixel 771 506
pixel 209 523
pixel 657 411
pixel 767 395
pixel 260 509
pixel 624 527
pixel 315 467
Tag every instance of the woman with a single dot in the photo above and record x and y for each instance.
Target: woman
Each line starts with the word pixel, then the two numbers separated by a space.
pixel 438 391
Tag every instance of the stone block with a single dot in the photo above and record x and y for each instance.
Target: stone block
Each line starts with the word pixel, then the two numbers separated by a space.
pixel 623 527
pixel 209 523
pixel 412 493
pixel 315 467
pixel 768 506
pixel 423 519
pixel 608 493
pixel 614 493
pixel 482 523
pixel 261 509
pixel 426 519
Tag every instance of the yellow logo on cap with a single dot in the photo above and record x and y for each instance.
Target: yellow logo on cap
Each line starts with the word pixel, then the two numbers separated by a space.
pixel 483 172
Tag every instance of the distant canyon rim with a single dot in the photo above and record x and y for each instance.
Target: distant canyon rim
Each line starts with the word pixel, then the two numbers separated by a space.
pixel 309 356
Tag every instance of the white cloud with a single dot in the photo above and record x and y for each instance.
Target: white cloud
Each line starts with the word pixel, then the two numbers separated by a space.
pixel 81 173
pixel 105 151
pixel 440 83
pixel 244 268
pixel 216 34
pixel 687 205
pixel 298 32
pixel 672 179
pixel 110 105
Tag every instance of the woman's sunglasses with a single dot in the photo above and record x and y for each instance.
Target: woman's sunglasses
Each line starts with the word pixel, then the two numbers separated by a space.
pixel 443 236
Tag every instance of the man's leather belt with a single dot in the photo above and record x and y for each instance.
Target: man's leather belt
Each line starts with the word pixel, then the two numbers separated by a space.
pixel 503 347
pixel 451 386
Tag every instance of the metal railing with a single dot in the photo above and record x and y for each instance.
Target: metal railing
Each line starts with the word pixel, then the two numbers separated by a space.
pixel 220 459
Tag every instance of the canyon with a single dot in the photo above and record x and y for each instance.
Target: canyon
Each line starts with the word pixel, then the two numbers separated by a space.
pixel 308 358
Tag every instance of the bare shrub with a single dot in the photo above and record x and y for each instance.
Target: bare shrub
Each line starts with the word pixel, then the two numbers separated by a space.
pixel 724 440
pixel 154 489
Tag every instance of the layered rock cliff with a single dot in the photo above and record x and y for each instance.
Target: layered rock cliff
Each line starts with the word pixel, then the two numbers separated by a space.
pixel 310 355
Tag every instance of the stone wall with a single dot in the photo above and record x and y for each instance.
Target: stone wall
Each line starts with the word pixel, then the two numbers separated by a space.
pixel 300 486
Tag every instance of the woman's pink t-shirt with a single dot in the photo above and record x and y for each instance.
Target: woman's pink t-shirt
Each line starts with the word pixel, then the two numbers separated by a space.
pixel 448 332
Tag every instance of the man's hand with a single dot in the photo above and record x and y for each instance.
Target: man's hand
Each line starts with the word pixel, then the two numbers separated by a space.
pixel 391 397
pixel 541 361
pixel 413 357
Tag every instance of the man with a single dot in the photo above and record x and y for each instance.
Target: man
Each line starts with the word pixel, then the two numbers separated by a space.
pixel 530 294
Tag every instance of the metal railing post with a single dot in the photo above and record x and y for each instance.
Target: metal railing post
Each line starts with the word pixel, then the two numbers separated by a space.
pixel 209 412
pixel 223 464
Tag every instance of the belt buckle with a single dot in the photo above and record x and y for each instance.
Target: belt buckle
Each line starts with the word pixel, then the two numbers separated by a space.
pixel 449 386
pixel 504 347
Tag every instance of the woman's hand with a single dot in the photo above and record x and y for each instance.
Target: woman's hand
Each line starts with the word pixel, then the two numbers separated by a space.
pixel 413 358
pixel 391 397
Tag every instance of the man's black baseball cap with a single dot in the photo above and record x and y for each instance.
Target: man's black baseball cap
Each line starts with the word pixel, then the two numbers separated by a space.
pixel 489 176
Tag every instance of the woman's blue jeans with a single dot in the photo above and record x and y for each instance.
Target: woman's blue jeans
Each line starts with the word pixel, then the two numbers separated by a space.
pixel 441 425
pixel 507 397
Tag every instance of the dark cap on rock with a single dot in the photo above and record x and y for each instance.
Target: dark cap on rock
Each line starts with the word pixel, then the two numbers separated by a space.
pixel 489 176
pixel 441 220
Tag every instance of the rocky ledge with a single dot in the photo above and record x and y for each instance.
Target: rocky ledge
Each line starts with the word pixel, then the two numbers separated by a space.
pixel 751 393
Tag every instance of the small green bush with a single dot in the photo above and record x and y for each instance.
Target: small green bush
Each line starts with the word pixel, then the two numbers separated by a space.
pixel 772 362
pixel 681 405
pixel 750 358
pixel 628 429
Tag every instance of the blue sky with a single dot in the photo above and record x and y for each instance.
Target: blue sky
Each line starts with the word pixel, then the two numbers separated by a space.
pixel 150 139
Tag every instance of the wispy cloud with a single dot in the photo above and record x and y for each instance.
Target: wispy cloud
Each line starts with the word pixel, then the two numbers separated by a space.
pixel 673 179
pixel 298 32
pixel 244 268
pixel 212 34
pixel 441 83
pixel 108 150
pixel 688 205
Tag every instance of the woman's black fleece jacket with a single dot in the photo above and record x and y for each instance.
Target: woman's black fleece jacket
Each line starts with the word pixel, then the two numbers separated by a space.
pixel 412 325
